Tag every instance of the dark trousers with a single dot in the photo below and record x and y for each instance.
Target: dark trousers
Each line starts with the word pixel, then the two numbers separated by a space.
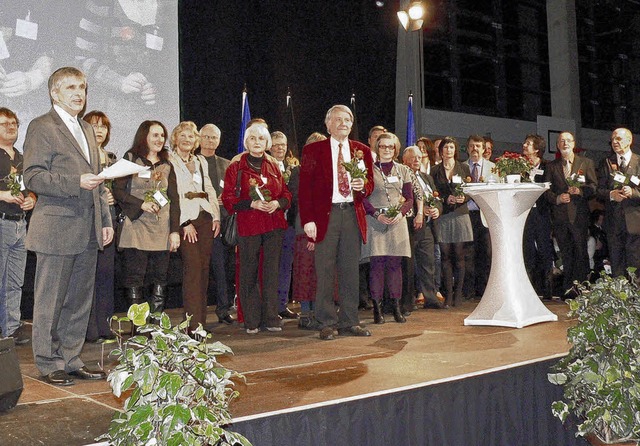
pixel 478 258
pixel 572 241
pixel 195 270
pixel 339 253
pixel 222 264
pixel 102 307
pixel 538 252
pixel 62 302
pixel 260 308
pixel 624 248
pixel 424 262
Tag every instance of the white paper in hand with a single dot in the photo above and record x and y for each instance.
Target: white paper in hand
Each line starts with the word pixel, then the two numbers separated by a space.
pixel 122 168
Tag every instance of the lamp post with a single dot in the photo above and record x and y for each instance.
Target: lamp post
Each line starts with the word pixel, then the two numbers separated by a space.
pixel 410 65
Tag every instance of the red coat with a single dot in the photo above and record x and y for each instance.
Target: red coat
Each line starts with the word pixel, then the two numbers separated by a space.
pixel 252 221
pixel 316 186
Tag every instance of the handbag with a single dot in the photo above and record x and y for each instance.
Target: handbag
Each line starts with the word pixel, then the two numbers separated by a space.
pixel 229 224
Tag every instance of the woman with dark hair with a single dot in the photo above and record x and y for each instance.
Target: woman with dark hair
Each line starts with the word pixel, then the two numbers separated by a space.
pixel 151 208
pixel 99 328
pixel 454 225
pixel 428 153
pixel 537 243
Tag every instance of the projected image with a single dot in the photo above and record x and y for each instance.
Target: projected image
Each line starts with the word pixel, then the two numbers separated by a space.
pixel 127 48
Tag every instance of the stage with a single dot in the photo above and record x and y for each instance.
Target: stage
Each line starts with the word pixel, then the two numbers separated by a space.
pixel 429 381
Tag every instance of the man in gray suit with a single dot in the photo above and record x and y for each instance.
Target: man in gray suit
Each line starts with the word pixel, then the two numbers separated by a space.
pixel 70 222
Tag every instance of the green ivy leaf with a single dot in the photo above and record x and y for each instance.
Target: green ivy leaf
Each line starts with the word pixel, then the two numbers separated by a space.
pixel 138 313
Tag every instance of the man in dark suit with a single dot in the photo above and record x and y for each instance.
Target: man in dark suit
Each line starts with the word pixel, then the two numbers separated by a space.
pixel 478 252
pixel 222 257
pixel 618 187
pixel 333 216
pixel 70 222
pixel 570 209
pixel 421 267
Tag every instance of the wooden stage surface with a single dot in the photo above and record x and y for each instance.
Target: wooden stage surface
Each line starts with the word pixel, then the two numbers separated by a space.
pixel 294 368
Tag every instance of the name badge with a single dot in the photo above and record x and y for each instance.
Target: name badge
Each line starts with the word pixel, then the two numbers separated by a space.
pixel 635 180
pixel 26 29
pixel 144 174
pixel 620 178
pixel 4 51
pixel 456 179
pixel 538 172
pixel 222 184
pixel 154 42
pixel 361 165
pixel 197 178
pixel 264 179
pixel 159 197
pixel 393 179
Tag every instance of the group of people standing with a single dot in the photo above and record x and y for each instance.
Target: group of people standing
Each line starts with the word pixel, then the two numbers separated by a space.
pixel 344 205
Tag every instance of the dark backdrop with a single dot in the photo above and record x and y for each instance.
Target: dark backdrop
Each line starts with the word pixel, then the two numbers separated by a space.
pixel 322 50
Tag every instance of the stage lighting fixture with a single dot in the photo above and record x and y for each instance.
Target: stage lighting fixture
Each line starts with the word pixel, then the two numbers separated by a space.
pixel 412 18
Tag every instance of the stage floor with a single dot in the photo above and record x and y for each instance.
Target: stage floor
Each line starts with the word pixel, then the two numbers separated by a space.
pixel 294 368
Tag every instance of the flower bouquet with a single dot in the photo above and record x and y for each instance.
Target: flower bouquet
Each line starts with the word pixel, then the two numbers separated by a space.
pixel 356 167
pixel 458 190
pixel 14 181
pixel 576 179
pixel 258 193
pixel 619 178
pixel 157 194
pixel 394 210
pixel 432 199
pixel 511 163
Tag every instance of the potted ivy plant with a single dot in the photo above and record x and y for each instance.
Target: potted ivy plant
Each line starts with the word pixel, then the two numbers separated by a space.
pixel 601 373
pixel 179 392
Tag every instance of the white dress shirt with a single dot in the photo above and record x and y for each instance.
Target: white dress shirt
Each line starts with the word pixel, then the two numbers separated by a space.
pixel 346 155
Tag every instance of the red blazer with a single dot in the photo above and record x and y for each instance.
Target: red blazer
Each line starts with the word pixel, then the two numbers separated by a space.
pixel 251 221
pixel 316 186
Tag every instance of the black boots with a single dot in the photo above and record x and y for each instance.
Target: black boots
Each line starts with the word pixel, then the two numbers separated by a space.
pixel 158 297
pixel 378 317
pixel 397 312
pixel 135 295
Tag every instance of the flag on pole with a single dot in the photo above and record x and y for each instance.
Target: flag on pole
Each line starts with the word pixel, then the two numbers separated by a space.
pixel 355 134
pixel 290 126
pixel 411 125
pixel 246 117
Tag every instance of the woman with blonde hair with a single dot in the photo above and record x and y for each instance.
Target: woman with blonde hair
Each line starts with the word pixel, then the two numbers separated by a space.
pixel 199 220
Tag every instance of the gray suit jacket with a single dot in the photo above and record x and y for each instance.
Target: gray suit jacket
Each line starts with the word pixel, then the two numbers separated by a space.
pixel 65 214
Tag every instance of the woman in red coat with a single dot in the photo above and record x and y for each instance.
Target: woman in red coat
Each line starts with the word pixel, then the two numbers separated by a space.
pixel 255 189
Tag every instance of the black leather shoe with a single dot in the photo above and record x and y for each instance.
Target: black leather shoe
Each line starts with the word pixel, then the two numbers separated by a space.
pixel 20 338
pixel 84 373
pixel 326 334
pixel 288 314
pixel 356 330
pixel 59 378
pixel 228 319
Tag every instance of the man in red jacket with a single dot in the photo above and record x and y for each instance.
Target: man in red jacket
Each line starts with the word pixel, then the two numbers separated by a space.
pixel 333 217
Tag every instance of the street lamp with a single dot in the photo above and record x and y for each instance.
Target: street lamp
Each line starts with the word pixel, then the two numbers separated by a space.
pixel 412 18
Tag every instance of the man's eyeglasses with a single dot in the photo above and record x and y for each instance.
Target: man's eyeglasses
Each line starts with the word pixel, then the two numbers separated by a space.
pixel 6 125
pixel 209 138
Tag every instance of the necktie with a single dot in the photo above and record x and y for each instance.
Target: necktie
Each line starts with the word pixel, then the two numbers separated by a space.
pixel 623 164
pixel 567 168
pixel 79 136
pixel 343 179
pixel 474 173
